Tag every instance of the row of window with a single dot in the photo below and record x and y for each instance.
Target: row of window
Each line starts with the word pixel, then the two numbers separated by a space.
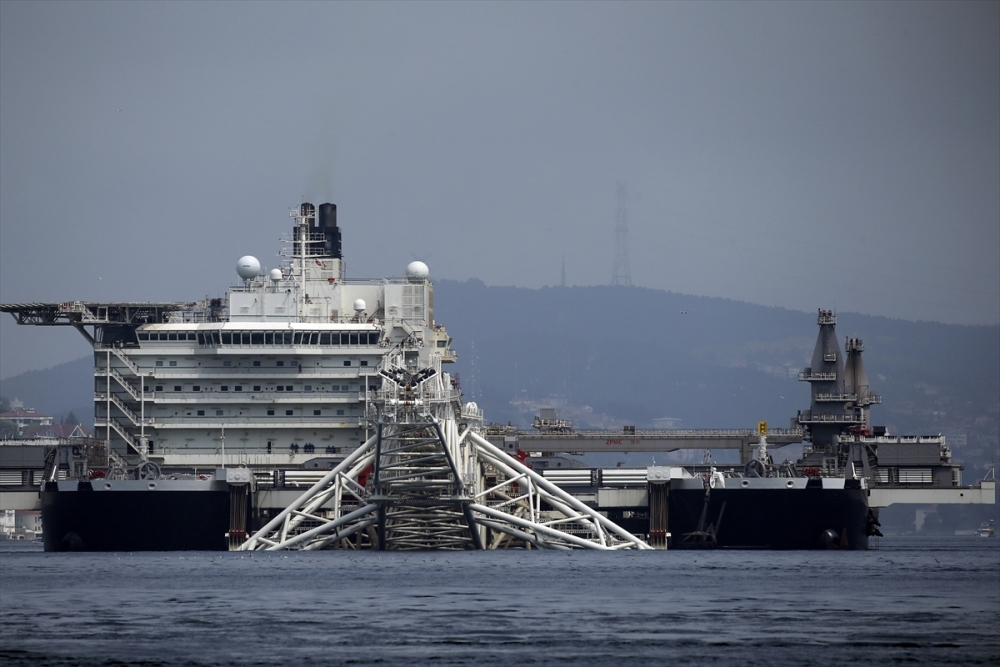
pixel 257 387
pixel 256 363
pixel 307 448
pixel 329 338
pixel 270 413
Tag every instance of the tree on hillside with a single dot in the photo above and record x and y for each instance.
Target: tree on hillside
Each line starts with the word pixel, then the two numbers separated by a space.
pixel 4 404
pixel 70 419
pixel 8 429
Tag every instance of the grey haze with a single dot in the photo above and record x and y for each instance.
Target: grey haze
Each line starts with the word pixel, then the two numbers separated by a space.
pixel 843 155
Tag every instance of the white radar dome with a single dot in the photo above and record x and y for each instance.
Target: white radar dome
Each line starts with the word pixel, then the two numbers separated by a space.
pixel 360 305
pixel 276 275
pixel 417 270
pixel 248 267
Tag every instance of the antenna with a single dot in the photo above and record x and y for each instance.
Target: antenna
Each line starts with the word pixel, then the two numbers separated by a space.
pixel 622 273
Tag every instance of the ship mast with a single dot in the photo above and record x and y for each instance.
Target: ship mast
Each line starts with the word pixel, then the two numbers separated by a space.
pixel 305 216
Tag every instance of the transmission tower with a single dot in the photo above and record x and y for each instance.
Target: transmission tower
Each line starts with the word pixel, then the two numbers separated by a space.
pixel 622 273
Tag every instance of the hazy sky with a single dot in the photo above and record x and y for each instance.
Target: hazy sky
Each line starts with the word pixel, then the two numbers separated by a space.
pixel 843 155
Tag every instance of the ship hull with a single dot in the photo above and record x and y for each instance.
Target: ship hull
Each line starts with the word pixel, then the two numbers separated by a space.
pixel 769 518
pixel 165 519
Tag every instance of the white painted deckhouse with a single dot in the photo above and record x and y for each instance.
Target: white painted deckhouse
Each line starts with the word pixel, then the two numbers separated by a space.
pixel 277 374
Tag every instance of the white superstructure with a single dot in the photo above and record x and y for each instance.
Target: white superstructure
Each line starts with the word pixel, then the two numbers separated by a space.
pixel 278 373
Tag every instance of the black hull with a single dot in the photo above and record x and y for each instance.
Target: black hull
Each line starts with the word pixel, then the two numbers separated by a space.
pixel 135 520
pixel 771 518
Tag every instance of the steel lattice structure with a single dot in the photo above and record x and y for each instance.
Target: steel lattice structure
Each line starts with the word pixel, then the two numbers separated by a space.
pixel 621 273
pixel 428 480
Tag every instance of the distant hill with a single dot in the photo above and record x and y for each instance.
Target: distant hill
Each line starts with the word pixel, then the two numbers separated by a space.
pixel 636 354
pixel 56 391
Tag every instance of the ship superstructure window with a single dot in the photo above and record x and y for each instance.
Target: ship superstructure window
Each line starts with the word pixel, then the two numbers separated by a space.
pixel 196 387
pixel 289 412
pixel 256 387
pixel 224 387
pixel 347 362
pixel 238 387
pixel 159 363
pixel 201 413
pixel 173 363
pixel 321 338
pixel 281 363
pixel 256 363
pixel 177 387
pixel 309 387
pixel 218 413
pixel 316 412
pixel 281 387
pixel 202 339
pixel 270 413
pixel 288 388
pixel 159 387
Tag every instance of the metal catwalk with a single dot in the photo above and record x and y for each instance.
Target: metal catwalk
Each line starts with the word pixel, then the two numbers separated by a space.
pixel 428 480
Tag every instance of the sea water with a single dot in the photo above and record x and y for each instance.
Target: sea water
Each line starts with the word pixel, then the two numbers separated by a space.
pixel 914 600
